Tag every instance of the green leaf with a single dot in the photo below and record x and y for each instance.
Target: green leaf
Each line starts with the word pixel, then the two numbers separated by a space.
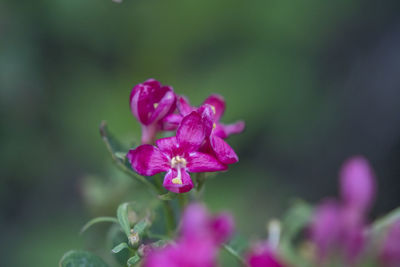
pixel 76 258
pixel 122 215
pixel 141 226
pixel 119 247
pixel 98 220
pixel 168 196
pixel 116 236
pixel 133 260
pixel 119 157
pixel 296 219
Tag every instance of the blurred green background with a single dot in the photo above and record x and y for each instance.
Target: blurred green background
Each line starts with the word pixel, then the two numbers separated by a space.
pixel 315 81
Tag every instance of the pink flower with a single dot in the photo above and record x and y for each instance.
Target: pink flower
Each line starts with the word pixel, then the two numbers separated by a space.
pixel 339 227
pixel 263 256
pixel 357 184
pixel 390 252
pixel 179 155
pixel 215 143
pixel 150 103
pixel 199 241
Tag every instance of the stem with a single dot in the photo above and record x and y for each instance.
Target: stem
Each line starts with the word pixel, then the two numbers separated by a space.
pixel 168 211
pixel 183 201
pixel 233 253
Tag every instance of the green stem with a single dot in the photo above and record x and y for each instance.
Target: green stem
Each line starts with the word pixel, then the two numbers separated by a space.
pixel 168 211
pixel 233 253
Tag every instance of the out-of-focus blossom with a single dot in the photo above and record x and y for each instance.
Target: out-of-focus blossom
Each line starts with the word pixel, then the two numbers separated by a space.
pixel 215 143
pixel 179 155
pixel 150 103
pixel 357 184
pixel 198 243
pixel 262 255
pixel 390 251
pixel 338 227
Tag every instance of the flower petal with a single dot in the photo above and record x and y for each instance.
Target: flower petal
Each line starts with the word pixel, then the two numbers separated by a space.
pixel 218 104
pixel 234 128
pixel 222 227
pixel 222 150
pixel 357 183
pixel 167 144
pixel 201 162
pixel 148 160
pixel 165 105
pixel 185 183
pixel 192 132
pixel 171 122
pixel 184 106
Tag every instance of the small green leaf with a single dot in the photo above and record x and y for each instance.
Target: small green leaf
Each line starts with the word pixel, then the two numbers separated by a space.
pixel 168 196
pixel 141 226
pixel 382 224
pixel 98 220
pixel 133 260
pixel 76 258
pixel 122 215
pixel 119 247
pixel 116 236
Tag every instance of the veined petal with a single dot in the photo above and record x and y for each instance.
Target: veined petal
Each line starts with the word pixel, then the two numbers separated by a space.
pixel 218 104
pixel 222 150
pixel 164 106
pixel 234 128
pixel 201 162
pixel 184 106
pixel 192 132
pixel 167 144
pixel 178 182
pixel 148 160
pixel 207 116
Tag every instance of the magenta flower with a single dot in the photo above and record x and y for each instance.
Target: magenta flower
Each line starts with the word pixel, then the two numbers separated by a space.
pixel 199 241
pixel 215 143
pixel 179 155
pixel 262 255
pixel 339 227
pixel 390 252
pixel 150 103
pixel 357 184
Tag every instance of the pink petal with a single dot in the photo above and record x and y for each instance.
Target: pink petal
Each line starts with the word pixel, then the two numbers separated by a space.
pixel 192 132
pixel 167 144
pixel 171 122
pixel 207 117
pixel 201 162
pixel 148 160
pixel 357 183
pixel 218 104
pixel 195 222
pixel 263 256
pixel 390 250
pixel 184 106
pixel 234 128
pixel 222 227
pixel 186 185
pixel 164 106
pixel 222 150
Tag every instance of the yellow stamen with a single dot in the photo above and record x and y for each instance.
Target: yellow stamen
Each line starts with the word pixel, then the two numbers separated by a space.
pixel 213 109
pixel 177 180
pixel 214 125
pixel 155 105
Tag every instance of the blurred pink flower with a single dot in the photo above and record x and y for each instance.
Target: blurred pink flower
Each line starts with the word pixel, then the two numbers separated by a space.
pixel 262 255
pixel 198 243
pixel 150 103
pixel 179 155
pixel 339 227
pixel 390 251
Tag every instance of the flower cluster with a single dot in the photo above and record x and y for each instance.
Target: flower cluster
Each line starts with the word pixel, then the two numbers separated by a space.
pixel 201 235
pixel 198 145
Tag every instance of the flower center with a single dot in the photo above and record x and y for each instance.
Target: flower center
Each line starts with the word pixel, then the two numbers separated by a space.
pixel 155 105
pixel 178 163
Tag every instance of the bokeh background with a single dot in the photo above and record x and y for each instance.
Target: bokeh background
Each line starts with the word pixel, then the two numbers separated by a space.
pixel 315 81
